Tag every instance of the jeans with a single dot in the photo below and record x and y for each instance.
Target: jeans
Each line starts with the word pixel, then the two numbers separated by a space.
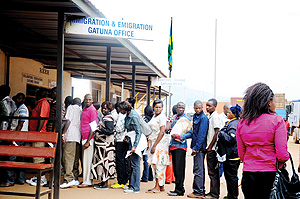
pixel 134 182
pixel 20 174
pixel 230 172
pixel 213 173
pixel 121 163
pixel 147 172
pixel 178 158
pixel 199 174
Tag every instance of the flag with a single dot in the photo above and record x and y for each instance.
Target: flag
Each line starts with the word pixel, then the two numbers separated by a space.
pixel 170 49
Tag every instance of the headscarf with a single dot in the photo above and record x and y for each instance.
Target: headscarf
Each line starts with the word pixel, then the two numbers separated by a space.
pixel 236 110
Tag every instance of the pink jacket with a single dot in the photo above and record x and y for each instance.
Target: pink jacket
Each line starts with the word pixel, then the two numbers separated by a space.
pixel 261 142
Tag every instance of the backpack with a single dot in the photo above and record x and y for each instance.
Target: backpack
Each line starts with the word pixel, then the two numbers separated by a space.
pixel 145 127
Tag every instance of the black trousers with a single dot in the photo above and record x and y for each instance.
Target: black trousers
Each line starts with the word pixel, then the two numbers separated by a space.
pixel 213 173
pixel 178 158
pixel 230 172
pixel 121 163
pixel 257 185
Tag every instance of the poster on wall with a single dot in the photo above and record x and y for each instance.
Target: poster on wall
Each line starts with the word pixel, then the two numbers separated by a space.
pixel 32 79
pixel 52 84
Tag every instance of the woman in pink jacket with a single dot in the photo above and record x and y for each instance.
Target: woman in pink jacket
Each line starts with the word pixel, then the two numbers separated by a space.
pixel 261 138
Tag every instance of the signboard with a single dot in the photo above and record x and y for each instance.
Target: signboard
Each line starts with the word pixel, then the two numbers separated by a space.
pixel 168 82
pixel 109 28
pixel 32 79
pixel 52 84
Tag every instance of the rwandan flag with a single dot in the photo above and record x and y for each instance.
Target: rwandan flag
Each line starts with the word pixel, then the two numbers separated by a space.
pixel 170 49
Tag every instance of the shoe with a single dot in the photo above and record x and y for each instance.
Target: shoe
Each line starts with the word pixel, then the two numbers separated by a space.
pixel 210 196
pixel 175 194
pixel 6 184
pixel 167 182
pixel 69 184
pixel 130 191
pixel 144 180
pixel 84 185
pixel 100 186
pixel 117 186
pixel 33 179
pixel 125 187
pixel 43 181
pixel 76 182
pixel 192 195
pixel 19 183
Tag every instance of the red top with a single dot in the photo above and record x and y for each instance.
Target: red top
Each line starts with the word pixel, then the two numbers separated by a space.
pixel 42 109
pixel 287 124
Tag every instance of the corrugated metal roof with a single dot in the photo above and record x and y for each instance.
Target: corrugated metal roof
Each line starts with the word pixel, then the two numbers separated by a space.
pixel 29 29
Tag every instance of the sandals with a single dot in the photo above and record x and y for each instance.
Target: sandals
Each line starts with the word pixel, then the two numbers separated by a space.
pixel 152 191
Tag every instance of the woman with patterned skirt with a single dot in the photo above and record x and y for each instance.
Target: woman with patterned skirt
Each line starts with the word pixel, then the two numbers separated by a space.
pixel 158 142
pixel 103 167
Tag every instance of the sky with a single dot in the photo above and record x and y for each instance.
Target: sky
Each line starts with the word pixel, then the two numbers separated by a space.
pixel 257 41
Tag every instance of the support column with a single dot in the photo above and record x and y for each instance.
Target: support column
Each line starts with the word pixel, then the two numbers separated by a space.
pixel 7 70
pixel 133 82
pixel 148 90
pixel 159 92
pixel 108 73
pixel 59 80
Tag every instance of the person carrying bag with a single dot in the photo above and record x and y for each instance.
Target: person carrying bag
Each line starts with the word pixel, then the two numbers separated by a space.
pixel 283 187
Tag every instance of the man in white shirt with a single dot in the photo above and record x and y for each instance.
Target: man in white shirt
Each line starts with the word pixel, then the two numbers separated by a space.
pixel 223 115
pixel 71 144
pixel 121 150
pixel 212 161
pixel 18 125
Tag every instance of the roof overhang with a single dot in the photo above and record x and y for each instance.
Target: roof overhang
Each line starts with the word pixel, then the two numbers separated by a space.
pixel 30 31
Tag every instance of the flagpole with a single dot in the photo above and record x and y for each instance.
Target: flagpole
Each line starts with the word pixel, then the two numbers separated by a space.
pixel 170 59
pixel 170 95
pixel 215 75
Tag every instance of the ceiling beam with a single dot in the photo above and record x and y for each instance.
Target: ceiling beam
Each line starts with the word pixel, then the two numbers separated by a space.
pixel 102 72
pixel 104 79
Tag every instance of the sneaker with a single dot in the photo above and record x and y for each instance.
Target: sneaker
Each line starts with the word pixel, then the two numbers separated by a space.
pixel 77 182
pixel 117 186
pixel 99 186
pixel 210 196
pixel 69 184
pixel 43 181
pixel 33 179
pixel 125 187
pixel 64 185
pixel 131 191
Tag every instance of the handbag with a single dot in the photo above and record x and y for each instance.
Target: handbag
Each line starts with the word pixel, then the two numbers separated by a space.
pixel 283 187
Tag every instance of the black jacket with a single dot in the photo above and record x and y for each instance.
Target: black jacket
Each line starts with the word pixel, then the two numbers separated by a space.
pixel 227 140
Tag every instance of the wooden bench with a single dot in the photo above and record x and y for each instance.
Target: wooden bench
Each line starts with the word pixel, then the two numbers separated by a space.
pixel 25 151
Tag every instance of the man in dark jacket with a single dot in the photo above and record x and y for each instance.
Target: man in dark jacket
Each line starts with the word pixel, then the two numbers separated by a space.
pixel 198 145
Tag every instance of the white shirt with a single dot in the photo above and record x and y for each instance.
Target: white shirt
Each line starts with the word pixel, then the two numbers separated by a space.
pixel 22 111
pixel 120 128
pixel 214 122
pixel 223 119
pixel 115 115
pixel 73 133
pixel 155 124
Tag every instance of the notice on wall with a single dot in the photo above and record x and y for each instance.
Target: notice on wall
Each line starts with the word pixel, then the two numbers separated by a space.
pixel 168 82
pixel 32 79
pixel 109 28
pixel 52 84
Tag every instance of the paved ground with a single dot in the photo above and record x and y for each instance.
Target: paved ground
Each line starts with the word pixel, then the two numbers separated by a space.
pixel 90 193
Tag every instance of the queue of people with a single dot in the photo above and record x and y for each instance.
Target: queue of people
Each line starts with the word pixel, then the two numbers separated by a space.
pixel 111 143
